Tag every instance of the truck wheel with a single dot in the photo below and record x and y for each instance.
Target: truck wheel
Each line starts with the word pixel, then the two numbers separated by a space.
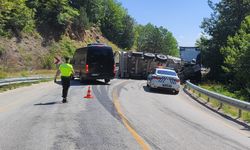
pixel 150 88
pixel 149 55
pixel 161 57
pixel 106 80
pixel 176 92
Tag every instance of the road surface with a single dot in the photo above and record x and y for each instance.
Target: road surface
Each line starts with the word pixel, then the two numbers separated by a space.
pixel 122 115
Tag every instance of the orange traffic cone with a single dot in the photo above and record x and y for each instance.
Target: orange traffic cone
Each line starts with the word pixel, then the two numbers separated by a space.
pixel 88 94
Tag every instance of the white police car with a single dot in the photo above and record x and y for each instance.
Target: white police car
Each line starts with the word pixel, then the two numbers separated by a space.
pixel 164 79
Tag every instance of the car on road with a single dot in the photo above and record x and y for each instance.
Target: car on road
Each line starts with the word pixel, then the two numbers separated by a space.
pixel 161 78
pixel 96 61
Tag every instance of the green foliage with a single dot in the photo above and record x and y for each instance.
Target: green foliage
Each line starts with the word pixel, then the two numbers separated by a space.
pixel 93 8
pixel 224 21
pixel 15 17
pixel 53 17
pixel 67 15
pixel 224 90
pixel 150 38
pixel 237 54
pixel 169 45
pixel 81 22
pixel 112 24
pixel 56 19
pixel 2 74
pixel 47 62
pixel 62 48
pixel 125 38
pixel 2 51
pixel 67 47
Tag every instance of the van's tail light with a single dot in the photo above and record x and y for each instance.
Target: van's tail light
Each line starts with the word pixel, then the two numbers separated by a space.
pixel 87 68
pixel 177 80
pixel 114 70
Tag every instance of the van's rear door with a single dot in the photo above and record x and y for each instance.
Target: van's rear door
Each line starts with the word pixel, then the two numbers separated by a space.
pixel 100 60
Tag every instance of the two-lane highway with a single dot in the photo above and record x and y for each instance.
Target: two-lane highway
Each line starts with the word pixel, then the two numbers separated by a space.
pixel 122 115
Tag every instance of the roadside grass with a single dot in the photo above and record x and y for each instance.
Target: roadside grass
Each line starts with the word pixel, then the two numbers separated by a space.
pixel 17 85
pixel 227 109
pixel 26 73
pixel 222 89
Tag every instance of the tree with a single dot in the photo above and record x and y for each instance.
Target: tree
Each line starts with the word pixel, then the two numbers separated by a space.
pixel 224 21
pixel 93 8
pixel 169 45
pixel 53 17
pixel 126 39
pixel 15 17
pixel 117 25
pixel 150 38
pixel 237 54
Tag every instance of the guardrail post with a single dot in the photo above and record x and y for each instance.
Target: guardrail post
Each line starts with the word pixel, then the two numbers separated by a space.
pixel 208 99
pixel 239 113
pixel 221 105
pixel 199 94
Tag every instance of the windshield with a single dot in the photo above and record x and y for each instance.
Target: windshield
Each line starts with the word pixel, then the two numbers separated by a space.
pixel 166 72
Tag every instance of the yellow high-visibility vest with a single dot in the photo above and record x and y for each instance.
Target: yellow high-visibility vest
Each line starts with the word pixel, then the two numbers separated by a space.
pixel 66 69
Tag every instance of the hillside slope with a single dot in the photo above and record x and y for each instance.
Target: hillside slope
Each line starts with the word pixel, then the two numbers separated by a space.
pixel 29 53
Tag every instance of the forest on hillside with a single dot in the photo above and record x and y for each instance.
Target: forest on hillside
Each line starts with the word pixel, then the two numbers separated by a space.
pixel 225 46
pixel 54 18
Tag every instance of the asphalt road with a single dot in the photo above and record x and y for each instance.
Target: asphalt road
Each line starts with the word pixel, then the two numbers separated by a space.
pixel 122 115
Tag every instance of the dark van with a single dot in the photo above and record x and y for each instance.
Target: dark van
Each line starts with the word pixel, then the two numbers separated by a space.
pixel 96 61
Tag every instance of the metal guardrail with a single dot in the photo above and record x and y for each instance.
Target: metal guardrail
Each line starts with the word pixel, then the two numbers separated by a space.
pixel 242 105
pixel 10 81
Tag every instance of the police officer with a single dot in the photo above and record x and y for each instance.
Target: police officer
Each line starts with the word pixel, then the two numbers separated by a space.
pixel 66 71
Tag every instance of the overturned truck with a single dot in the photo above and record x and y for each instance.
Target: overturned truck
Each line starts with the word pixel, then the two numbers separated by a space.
pixel 138 65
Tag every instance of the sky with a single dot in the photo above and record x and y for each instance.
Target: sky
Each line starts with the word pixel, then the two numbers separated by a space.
pixel 181 17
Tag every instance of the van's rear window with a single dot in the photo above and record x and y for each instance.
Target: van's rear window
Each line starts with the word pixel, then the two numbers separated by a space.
pixel 100 52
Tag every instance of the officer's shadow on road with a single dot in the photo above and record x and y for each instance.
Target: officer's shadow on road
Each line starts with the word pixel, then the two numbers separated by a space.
pixel 47 103
pixel 77 82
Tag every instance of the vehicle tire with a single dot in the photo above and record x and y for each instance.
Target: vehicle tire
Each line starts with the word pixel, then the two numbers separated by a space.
pixel 176 92
pixel 150 88
pixel 161 57
pixel 149 55
pixel 106 80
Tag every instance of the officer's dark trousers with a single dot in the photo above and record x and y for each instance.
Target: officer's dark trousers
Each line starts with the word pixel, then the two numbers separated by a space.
pixel 65 85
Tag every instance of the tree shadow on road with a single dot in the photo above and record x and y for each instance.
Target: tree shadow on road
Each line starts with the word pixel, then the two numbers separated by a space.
pixel 158 91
